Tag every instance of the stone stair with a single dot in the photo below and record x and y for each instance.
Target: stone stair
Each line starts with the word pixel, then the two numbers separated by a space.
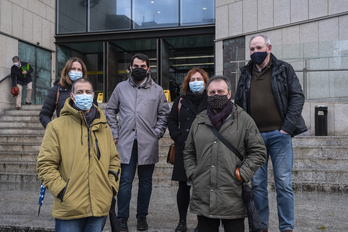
pixel 320 163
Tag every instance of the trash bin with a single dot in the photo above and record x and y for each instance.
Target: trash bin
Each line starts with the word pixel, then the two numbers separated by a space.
pixel 320 118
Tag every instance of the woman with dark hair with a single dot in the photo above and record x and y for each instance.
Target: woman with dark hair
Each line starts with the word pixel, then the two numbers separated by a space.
pixel 184 111
pixel 74 69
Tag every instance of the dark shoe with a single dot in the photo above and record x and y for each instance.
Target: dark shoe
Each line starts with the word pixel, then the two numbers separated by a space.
pixel 142 224
pixel 28 103
pixel 181 226
pixel 265 230
pixel 122 225
pixel 196 229
pixel 18 108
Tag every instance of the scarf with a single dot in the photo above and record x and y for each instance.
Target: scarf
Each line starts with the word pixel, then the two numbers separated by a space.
pixel 218 119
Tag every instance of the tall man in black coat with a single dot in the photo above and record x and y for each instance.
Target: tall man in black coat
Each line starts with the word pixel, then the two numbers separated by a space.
pixel 270 92
pixel 21 75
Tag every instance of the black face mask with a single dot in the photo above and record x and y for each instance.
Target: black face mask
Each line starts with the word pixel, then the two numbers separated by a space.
pixel 259 57
pixel 217 102
pixel 139 74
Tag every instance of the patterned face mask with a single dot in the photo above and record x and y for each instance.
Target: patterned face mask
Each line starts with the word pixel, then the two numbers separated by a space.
pixel 217 102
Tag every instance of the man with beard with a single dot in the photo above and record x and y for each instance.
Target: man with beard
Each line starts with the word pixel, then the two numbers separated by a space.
pixel 142 110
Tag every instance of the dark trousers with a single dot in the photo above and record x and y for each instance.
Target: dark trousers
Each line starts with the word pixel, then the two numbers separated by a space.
pixel 212 224
pixel 183 199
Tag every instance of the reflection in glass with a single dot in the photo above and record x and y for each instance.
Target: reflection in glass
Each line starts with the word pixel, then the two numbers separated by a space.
pixel 155 13
pixel 196 12
pixel 109 15
pixel 71 16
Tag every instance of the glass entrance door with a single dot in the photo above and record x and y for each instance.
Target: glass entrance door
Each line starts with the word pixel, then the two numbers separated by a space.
pixel 40 60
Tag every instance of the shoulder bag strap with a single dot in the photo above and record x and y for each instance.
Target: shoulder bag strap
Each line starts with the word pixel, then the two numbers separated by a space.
pixel 57 97
pixel 227 144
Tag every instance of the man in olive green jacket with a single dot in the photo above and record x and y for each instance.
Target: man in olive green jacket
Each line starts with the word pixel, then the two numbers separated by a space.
pixel 79 164
pixel 210 165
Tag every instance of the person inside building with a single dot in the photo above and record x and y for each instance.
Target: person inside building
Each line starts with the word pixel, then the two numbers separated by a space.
pixel 73 70
pixel 211 165
pixel 79 163
pixel 21 75
pixel 270 91
pixel 137 113
pixel 184 111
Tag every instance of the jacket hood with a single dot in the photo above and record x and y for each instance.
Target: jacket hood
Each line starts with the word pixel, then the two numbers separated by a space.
pixel 147 83
pixel 69 110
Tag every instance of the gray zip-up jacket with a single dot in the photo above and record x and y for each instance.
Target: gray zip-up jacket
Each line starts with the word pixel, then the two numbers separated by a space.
pixel 143 110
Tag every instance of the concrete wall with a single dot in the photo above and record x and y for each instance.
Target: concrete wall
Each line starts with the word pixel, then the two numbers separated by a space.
pixel 31 21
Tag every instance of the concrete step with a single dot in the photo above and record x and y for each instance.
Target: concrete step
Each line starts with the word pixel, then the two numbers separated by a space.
pixel 28 112
pixel 19 118
pixel 324 152
pixel 6 156
pixel 31 139
pixel 317 141
pixel 20 148
pixel 22 124
pixel 18 178
pixel 28 167
pixel 21 131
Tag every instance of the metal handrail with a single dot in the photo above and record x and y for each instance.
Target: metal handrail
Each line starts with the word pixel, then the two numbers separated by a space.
pixel 8 76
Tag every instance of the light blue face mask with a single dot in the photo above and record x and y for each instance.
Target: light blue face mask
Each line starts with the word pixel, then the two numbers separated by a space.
pixel 16 63
pixel 83 101
pixel 196 86
pixel 74 75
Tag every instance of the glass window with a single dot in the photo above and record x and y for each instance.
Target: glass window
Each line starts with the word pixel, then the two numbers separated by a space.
pixel 109 15
pixel 196 12
pixel 71 16
pixel 155 13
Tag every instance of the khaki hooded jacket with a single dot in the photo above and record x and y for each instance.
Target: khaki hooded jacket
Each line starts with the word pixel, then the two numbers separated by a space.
pixel 80 160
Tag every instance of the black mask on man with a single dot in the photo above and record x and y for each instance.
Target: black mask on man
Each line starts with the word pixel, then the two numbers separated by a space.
pixel 139 74
pixel 259 57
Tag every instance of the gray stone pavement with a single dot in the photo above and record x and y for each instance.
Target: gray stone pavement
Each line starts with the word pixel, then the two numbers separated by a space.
pixel 314 211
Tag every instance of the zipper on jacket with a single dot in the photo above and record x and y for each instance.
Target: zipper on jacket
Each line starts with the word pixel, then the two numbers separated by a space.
pixel 97 147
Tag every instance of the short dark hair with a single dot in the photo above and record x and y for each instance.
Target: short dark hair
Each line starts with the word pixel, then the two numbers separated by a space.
pixel 220 78
pixel 81 80
pixel 15 58
pixel 142 57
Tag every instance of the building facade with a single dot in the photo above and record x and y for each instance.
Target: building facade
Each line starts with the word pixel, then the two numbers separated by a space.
pixel 177 35
pixel 27 29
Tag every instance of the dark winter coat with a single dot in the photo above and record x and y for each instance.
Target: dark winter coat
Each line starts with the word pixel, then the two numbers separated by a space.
pixel 179 133
pixel 50 105
pixel 18 77
pixel 210 165
pixel 287 92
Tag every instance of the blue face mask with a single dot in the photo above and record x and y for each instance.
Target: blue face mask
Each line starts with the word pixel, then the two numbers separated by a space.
pixel 16 64
pixel 74 75
pixel 83 101
pixel 196 86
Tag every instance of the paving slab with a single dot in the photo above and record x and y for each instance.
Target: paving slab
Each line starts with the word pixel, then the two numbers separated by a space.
pixel 314 211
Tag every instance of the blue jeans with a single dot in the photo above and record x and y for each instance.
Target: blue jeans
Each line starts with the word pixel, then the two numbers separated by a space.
pixel 279 148
pixel 89 224
pixel 125 190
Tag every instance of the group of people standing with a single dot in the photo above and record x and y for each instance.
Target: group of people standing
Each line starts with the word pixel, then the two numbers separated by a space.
pixel 80 165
